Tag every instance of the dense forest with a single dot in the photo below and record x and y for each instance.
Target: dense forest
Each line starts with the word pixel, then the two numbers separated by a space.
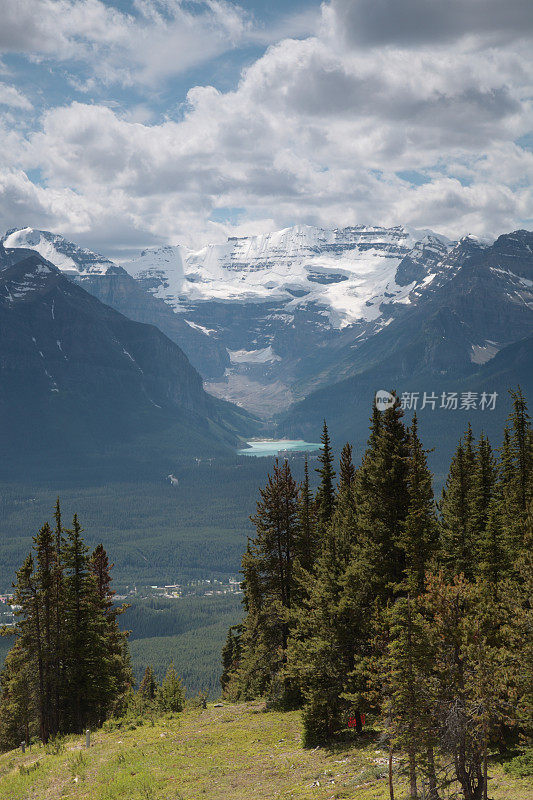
pixel 369 602
pixel 156 532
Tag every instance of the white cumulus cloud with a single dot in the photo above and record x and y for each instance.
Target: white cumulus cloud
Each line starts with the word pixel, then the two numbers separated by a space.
pixel 320 130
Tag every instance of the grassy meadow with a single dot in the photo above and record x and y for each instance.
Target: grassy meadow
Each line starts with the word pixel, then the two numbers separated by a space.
pixel 231 751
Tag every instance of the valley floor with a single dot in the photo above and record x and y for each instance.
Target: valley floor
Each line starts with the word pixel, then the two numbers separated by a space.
pixel 231 751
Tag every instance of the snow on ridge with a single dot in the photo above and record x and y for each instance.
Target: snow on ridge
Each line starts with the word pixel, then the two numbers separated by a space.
pixel 265 355
pixel 66 256
pixel 207 331
pixel 349 271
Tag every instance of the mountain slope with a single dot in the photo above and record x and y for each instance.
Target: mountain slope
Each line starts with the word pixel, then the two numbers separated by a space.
pixel 115 287
pixel 79 381
pixel 470 329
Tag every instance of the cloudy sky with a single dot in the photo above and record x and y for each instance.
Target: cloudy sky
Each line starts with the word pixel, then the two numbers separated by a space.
pixel 129 123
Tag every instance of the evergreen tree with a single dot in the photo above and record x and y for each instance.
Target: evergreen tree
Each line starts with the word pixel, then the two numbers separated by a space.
pixel 148 686
pixel 114 677
pixel 45 598
pixel 360 562
pixel 231 656
pixel 382 500
pixel 407 685
pixel 458 543
pixel 269 585
pixel 171 694
pixel 18 711
pixel 325 633
pixel 346 469
pixel 516 475
pixel 483 485
pixel 492 551
pixel 30 638
pixel 325 496
pixel 419 531
pixel 70 665
pixel 307 545
pixel 59 614
pixel 77 636
pixel 473 669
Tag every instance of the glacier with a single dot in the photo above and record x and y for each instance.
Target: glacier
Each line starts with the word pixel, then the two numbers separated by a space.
pixel 348 272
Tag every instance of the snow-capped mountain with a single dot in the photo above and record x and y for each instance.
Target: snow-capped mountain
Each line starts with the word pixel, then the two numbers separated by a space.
pixel 348 272
pixel 270 319
pixel 68 257
pixel 467 328
pixel 282 303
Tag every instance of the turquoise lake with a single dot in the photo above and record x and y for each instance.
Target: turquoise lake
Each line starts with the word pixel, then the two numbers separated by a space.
pixel 271 447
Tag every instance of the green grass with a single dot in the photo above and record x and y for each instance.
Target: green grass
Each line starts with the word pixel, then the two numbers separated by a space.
pixel 235 751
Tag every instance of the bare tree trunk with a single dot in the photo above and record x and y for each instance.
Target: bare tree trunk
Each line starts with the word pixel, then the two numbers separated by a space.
pixel 391 785
pixel 485 764
pixel 432 776
pixel 413 790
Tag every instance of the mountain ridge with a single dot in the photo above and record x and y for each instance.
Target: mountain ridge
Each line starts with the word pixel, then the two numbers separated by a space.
pixel 79 377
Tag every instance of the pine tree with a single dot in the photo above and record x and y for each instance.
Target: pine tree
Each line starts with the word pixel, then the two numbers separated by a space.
pixel 269 587
pixel 516 475
pixel 77 610
pixel 73 661
pixel 382 500
pixel 45 597
pixel 419 541
pixel 346 469
pixel 458 544
pixel 325 635
pixel 473 671
pixel 98 670
pixel 18 712
pixel 360 562
pixel 483 485
pixel 419 531
pixel 148 688
pixel 325 496
pixel 231 657
pixel 30 627
pixel 171 694
pixel 407 681
pixel 114 677
pixel 492 551
pixel 59 613
pixel 307 544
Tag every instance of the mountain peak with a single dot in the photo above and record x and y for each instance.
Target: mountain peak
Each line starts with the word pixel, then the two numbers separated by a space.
pixel 67 256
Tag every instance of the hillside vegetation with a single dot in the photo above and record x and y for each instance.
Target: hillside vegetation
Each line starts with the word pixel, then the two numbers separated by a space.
pixel 230 751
